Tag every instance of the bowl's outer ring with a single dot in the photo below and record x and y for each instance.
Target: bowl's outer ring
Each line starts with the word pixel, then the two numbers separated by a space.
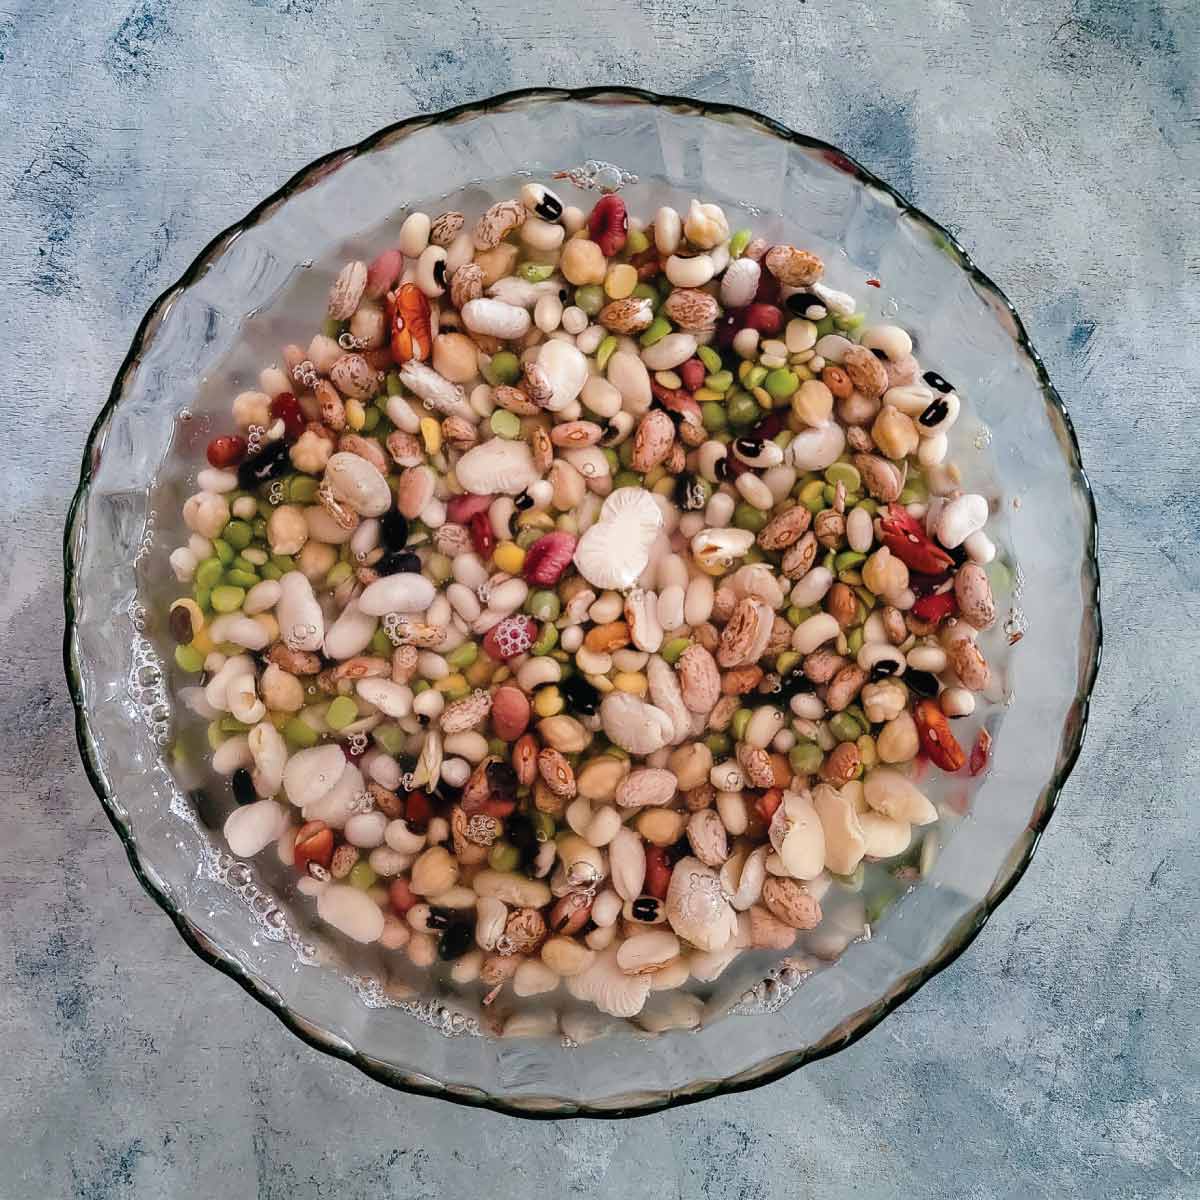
pixel 966 930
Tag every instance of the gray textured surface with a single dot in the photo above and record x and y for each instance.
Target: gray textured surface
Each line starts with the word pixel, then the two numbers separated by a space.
pixel 1060 142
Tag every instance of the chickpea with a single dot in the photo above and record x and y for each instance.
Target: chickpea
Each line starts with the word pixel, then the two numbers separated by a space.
pixel 316 559
pixel 206 513
pixel 287 530
pixel 280 691
pixel 311 452
pixel 252 408
pixel 706 225
pixel 583 262
pixel 884 573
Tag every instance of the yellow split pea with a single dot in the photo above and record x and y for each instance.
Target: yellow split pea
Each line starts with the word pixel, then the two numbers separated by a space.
pixel 620 281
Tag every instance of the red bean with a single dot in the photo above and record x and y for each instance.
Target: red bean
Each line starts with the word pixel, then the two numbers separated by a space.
pixel 768 289
pixel 418 812
pixel 226 451
pixel 401 896
pixel 692 373
pixel 286 408
pixel 482 537
pixel 766 318
pixel 658 872
pixel 608 224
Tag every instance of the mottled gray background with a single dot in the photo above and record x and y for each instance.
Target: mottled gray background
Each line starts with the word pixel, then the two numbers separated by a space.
pixel 1059 141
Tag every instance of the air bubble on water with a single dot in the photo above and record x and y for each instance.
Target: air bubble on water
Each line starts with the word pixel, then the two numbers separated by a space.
pixel 890 308
pixel 1018 581
pixel 983 438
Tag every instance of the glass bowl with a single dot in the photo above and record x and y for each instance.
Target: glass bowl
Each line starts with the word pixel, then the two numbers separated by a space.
pixel 255 287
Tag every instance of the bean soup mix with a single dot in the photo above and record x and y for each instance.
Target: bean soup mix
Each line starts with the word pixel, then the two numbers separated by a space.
pixel 586 600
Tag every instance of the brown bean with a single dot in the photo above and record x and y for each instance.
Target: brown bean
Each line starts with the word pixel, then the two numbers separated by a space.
pixel 822 665
pixel 841 764
pixel 845 686
pixel 842 604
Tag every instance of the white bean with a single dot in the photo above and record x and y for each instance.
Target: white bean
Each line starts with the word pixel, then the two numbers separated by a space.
pixel 542 235
pixel 429 704
pixel 671 607
pixel 456 771
pixel 603 826
pixel 183 563
pixel 464 601
pixel 720 508
pixel 365 830
pixel 590 339
pixel 547 313
pixel 240 630
pixel 731 808
pixel 215 691
pixel 807 707
pixel 495 318
pixel 873 629
pixel 961 517
pixel 432 666
pixel 578 815
pixel 469 745
pixel 601 937
pixel 933 450
pixel 745 342
pixel 780 480
pixel 814 632
pixel 979 547
pixel 468 569
pixel 832 347
pixel 668 230
pixel 206 513
pixel 812 587
pixel 763 726
pixel 351 911
pixel 698 603
pixel 689 272
pixel 211 480
pixel 382 768
pixel 386 862
pixel 392 699
pixel 538 670
pixel 574 320
pixel 957 702
pixel 232 754
pixel 414 234
pixel 740 282
pixel 755 491
pixel 927 658
pixel 253 827
pixel 860 531
pixel 670 352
